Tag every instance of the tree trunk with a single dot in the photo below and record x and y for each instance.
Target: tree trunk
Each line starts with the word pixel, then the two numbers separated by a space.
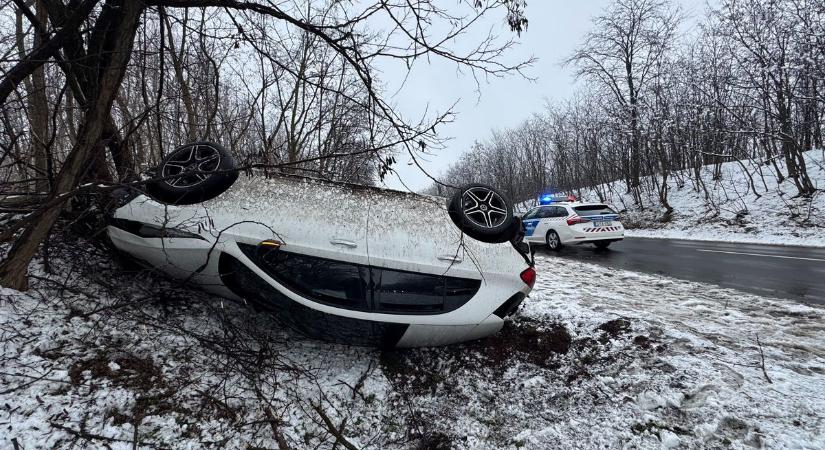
pixel 39 110
pixel 794 159
pixel 120 147
pixel 177 56
pixel 37 104
pixel 118 29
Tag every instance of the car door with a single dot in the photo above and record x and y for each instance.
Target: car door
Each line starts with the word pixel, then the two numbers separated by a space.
pixel 559 222
pixel 531 221
pixel 334 226
pixel 552 218
pixel 543 217
pixel 312 217
pixel 415 252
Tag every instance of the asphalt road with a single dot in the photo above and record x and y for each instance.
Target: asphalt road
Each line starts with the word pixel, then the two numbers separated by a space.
pixel 796 273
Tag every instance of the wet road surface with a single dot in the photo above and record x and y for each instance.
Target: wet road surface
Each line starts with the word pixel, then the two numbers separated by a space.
pixel 796 273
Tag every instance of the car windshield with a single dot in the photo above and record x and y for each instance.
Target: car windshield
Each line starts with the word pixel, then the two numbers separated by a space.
pixel 593 210
pixel 531 214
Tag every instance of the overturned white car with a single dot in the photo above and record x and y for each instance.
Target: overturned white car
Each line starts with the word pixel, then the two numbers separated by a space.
pixel 347 263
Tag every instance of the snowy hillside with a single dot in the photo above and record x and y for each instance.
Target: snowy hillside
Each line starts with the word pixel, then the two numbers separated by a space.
pixel 732 211
pixel 596 358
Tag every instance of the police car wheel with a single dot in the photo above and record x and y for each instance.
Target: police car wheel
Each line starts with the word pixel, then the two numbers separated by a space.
pixel 553 241
pixel 193 173
pixel 483 213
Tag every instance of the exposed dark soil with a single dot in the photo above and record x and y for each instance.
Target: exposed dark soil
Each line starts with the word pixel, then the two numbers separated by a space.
pixel 613 328
pixel 134 372
pixel 424 371
pixel 523 339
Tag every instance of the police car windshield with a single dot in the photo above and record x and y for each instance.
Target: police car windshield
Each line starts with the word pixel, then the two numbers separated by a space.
pixel 531 214
pixel 593 210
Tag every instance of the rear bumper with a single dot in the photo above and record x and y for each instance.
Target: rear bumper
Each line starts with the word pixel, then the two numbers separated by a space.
pixel 582 238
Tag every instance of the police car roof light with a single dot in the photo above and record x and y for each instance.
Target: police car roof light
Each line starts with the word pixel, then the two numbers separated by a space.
pixel 546 199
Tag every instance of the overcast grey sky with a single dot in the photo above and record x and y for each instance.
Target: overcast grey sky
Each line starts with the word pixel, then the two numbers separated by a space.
pixel 556 28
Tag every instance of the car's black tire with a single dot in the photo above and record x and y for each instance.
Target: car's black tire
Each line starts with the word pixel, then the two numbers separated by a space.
pixel 602 245
pixel 553 241
pixel 193 173
pixel 483 213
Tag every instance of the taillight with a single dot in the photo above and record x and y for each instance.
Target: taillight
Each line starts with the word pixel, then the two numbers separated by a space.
pixel 576 219
pixel 529 276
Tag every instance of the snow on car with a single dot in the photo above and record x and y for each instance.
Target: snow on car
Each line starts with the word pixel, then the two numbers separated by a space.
pixel 562 221
pixel 339 262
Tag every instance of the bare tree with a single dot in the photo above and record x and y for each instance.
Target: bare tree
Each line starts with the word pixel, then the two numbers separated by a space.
pixel 743 87
pixel 623 53
pixel 329 106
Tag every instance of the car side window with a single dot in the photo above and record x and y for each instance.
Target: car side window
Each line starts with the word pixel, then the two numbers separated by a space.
pixel 594 210
pixel 530 214
pixel 360 287
pixel 397 291
pixel 400 292
pixel 327 281
pixel 546 212
pixel 561 211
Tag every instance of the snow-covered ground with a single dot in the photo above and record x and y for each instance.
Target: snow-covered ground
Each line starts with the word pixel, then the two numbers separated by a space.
pixel 732 211
pixel 91 357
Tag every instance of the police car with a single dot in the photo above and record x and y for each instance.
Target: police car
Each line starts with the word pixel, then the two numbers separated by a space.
pixel 559 221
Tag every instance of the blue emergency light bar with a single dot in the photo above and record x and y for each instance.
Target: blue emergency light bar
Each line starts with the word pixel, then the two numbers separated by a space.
pixel 546 199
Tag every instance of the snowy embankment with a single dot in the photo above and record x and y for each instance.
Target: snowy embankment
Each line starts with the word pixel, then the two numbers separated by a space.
pixel 595 358
pixel 731 211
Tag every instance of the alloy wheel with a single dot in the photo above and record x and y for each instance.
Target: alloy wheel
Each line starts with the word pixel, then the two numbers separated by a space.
pixel 553 240
pixel 484 207
pixel 191 166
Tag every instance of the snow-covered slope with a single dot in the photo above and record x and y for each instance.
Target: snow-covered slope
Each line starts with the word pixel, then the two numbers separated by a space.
pixel 732 210
pixel 596 358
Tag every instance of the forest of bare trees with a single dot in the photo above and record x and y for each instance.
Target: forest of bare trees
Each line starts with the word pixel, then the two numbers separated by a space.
pixel 747 85
pixel 95 92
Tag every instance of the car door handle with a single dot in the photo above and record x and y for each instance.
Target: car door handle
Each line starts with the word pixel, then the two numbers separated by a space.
pixel 450 258
pixel 343 242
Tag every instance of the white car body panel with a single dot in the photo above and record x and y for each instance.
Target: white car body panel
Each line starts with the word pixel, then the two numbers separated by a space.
pixel 361 225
